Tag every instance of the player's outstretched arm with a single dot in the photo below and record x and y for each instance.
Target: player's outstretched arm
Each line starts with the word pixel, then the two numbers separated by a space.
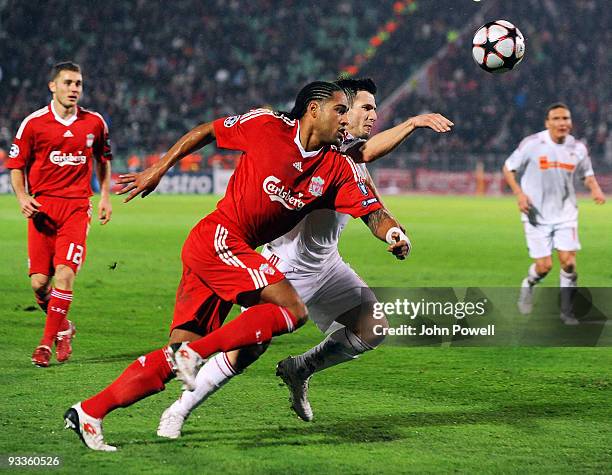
pixel 105 208
pixel 146 181
pixel 524 203
pixel 386 141
pixel 29 205
pixel 598 195
pixel 387 228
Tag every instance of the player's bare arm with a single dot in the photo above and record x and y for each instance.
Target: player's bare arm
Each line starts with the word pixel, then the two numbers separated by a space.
pixel 387 228
pixel 598 196
pixel 385 142
pixel 146 181
pixel 524 203
pixel 372 186
pixel 105 208
pixel 29 205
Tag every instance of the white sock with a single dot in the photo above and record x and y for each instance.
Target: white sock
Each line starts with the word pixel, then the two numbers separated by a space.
pixel 533 277
pixel 568 283
pixel 338 347
pixel 212 376
pixel 567 279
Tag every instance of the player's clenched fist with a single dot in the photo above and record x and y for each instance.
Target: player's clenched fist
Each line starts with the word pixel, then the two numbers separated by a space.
pixel 524 203
pixel 401 246
pixel 598 197
pixel 105 210
pixel 29 206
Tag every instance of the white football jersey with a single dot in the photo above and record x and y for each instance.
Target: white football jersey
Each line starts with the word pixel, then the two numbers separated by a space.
pixel 313 243
pixel 546 170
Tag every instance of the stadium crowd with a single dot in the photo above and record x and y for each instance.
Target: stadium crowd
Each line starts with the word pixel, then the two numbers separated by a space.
pixel 154 71
pixel 157 71
pixel 493 112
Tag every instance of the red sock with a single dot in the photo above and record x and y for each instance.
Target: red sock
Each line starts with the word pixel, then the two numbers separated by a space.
pixel 58 307
pixel 145 376
pixel 257 324
pixel 64 325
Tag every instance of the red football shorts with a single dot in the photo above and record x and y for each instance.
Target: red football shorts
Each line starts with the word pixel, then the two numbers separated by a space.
pixel 217 267
pixel 57 234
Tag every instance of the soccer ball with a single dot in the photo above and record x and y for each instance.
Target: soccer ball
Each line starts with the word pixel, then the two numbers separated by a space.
pixel 498 46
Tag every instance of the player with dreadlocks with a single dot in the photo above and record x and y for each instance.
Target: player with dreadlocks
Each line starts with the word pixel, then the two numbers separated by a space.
pixel 288 168
pixel 338 300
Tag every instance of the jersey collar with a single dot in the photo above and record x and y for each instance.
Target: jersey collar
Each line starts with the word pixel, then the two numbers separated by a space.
pixel 67 122
pixel 569 140
pixel 296 139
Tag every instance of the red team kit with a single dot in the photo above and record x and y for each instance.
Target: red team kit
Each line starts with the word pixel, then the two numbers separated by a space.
pixel 267 196
pixel 57 156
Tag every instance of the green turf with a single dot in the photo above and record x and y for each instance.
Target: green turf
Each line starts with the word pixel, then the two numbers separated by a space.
pixel 398 409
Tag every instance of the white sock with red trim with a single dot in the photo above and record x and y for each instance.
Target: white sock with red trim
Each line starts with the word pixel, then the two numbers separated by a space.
pixel 212 376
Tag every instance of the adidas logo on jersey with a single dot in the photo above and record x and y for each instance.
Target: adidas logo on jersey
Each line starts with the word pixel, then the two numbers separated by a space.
pixel 68 134
pixel 298 166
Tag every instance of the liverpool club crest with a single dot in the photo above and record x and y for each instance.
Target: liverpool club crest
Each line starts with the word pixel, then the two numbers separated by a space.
pixel 316 186
pixel 89 140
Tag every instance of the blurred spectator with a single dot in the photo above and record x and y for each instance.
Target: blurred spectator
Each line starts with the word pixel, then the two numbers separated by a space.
pixel 191 163
pixel 134 163
pixel 151 160
pixel 157 71
pixel 3 157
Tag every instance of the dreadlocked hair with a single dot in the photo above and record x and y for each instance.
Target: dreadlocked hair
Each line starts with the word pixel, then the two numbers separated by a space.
pixel 315 91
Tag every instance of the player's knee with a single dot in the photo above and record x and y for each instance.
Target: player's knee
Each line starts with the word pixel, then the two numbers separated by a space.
pixel 569 266
pixel 543 268
pixel 64 277
pixel 40 284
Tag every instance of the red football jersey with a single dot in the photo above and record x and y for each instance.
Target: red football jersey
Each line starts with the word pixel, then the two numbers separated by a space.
pixel 277 182
pixel 58 154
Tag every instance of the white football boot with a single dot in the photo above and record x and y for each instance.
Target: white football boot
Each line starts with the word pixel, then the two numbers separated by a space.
pixel 288 371
pixel 187 363
pixel 170 424
pixel 525 301
pixel 88 428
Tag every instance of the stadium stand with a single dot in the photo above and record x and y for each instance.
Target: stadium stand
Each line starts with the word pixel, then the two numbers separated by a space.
pixel 158 71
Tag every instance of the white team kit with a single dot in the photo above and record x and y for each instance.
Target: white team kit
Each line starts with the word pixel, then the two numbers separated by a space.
pixel 308 256
pixel 547 171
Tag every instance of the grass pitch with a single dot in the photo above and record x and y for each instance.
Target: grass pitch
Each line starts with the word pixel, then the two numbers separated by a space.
pixel 397 409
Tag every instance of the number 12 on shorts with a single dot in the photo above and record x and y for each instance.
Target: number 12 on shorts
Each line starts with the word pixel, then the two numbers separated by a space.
pixel 75 253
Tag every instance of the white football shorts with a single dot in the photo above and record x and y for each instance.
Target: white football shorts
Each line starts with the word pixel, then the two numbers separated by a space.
pixel 543 238
pixel 329 293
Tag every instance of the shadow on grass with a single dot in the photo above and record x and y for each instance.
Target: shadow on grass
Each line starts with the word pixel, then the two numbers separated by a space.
pixel 378 428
